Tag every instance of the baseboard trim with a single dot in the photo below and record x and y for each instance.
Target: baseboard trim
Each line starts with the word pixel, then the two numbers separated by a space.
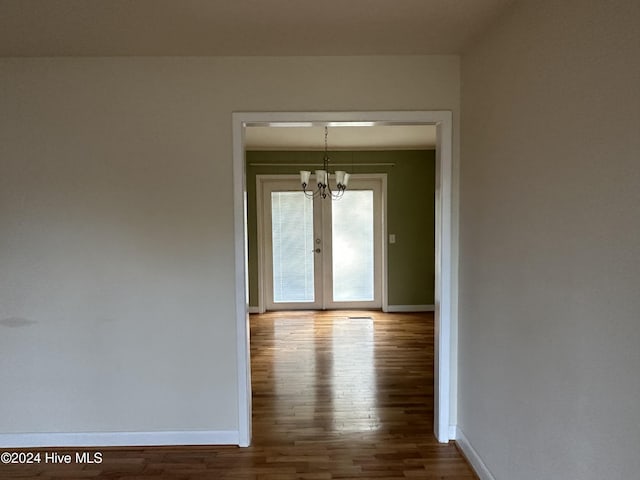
pixel 472 456
pixel 390 308
pixel 410 308
pixel 118 439
pixel 453 432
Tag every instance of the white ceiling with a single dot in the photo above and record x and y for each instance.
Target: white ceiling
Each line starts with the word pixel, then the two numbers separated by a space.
pixel 241 27
pixel 388 137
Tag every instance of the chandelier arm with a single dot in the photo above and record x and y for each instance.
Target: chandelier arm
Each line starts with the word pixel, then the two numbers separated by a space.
pixel 312 194
pixel 338 194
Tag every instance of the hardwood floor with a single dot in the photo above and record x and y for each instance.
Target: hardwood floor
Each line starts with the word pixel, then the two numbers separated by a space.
pixel 336 395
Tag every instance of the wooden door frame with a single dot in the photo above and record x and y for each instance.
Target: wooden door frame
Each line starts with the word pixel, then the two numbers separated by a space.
pixel 444 302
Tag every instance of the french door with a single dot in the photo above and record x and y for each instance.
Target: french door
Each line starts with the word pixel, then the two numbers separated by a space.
pixel 321 253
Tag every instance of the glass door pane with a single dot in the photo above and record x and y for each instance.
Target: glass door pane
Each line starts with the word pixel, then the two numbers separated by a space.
pixel 352 237
pixel 292 247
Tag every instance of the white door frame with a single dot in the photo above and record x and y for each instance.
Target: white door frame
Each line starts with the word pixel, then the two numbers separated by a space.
pixel 443 261
pixel 380 233
pixel 265 283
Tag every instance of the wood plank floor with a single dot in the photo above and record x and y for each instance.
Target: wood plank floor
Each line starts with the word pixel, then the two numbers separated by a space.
pixel 336 395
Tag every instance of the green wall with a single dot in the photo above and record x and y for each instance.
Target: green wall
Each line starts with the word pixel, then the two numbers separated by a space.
pixel 410 213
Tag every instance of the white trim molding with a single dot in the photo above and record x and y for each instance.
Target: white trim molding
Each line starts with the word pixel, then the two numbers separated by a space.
pixel 410 308
pixel 472 456
pixel 443 310
pixel 243 352
pixel 443 313
pixel 267 183
pixel 118 439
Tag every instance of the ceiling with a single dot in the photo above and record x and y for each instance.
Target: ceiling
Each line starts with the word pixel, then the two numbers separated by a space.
pixel 240 27
pixel 387 137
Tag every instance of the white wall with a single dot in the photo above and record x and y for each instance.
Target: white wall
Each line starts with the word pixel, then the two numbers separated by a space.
pixel 549 319
pixel 116 252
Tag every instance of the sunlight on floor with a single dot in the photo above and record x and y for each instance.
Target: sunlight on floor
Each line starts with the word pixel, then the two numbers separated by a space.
pixel 336 358
pixel 354 381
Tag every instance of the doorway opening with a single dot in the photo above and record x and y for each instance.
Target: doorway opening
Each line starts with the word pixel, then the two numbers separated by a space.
pixel 443 261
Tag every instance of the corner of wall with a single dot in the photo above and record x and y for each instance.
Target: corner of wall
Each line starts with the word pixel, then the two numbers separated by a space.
pixel 472 456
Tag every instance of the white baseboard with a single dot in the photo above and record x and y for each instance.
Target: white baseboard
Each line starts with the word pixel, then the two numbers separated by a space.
pixel 410 308
pixel 474 459
pixel 453 432
pixel 390 308
pixel 118 439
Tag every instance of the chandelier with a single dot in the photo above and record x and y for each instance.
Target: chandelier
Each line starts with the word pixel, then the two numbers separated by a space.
pixel 322 185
